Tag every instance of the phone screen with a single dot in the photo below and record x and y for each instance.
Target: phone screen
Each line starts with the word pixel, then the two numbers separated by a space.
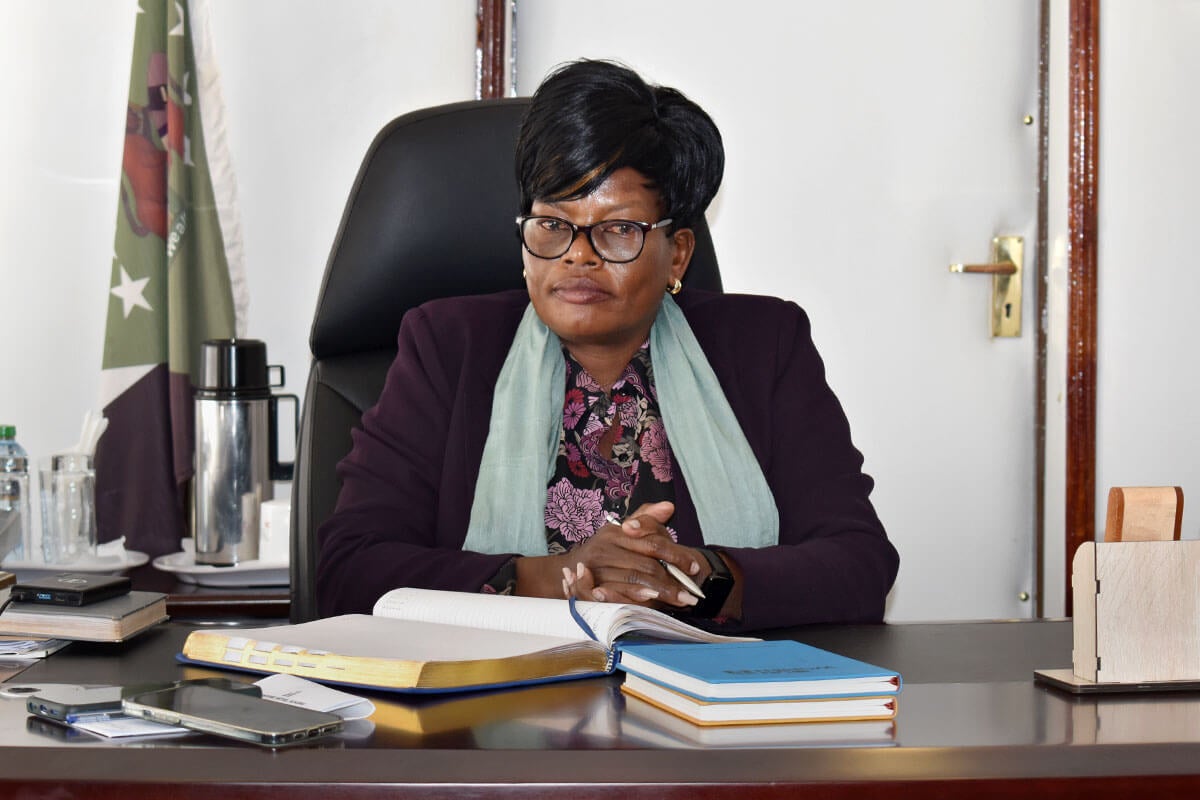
pixel 232 714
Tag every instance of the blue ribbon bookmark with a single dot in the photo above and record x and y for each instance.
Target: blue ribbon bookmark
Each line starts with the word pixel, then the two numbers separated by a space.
pixel 580 621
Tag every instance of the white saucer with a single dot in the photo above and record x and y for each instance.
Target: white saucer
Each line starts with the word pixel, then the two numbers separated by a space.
pixel 109 564
pixel 247 573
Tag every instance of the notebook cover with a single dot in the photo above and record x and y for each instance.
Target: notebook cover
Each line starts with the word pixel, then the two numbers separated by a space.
pixel 742 670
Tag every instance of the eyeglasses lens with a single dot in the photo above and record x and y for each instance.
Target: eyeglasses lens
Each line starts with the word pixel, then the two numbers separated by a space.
pixel 550 237
pixel 617 241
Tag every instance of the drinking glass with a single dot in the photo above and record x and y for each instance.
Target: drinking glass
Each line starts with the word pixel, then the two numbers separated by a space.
pixel 68 487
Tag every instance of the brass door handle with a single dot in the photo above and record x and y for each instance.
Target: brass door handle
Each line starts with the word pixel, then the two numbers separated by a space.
pixel 1002 268
pixel 1008 254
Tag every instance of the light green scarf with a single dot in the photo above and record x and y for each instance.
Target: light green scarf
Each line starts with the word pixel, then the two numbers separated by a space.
pixel 733 502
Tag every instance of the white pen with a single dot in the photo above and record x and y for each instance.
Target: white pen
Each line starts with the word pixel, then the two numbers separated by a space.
pixel 673 570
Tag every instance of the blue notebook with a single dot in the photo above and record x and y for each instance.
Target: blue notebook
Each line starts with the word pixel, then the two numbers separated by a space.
pixel 741 671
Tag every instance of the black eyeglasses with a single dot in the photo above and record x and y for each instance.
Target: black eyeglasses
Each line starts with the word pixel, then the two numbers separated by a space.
pixel 617 241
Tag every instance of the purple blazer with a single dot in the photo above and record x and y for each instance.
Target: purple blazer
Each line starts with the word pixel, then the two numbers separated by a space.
pixel 409 480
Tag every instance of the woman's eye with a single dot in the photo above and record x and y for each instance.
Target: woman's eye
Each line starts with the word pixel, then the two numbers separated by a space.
pixel 551 225
pixel 623 229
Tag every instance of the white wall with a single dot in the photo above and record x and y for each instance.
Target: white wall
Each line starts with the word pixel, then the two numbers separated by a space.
pixel 307 84
pixel 1057 288
pixel 1148 431
pixel 64 74
pixel 1148 422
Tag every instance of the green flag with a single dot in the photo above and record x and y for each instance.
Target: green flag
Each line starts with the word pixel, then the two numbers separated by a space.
pixel 170 288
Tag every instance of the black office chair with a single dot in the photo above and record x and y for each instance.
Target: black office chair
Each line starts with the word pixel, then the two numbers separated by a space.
pixel 430 215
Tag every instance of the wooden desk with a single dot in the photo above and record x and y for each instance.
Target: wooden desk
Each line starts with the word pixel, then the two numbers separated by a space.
pixel 971 724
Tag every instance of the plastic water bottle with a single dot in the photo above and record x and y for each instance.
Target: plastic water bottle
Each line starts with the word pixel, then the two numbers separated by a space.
pixel 15 530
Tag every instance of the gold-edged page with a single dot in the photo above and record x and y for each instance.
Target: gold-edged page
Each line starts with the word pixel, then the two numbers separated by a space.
pixel 365 636
pixel 393 653
pixel 576 658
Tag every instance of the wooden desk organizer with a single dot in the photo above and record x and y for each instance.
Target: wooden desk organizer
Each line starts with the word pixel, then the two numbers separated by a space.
pixel 1137 611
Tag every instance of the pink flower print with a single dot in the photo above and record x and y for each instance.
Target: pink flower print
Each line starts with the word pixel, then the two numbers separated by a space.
pixel 594 428
pixel 573 408
pixel 656 450
pixel 628 411
pixel 575 513
pixel 631 379
pixel 586 382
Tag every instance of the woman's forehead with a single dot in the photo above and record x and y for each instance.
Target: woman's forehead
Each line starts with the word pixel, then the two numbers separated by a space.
pixel 625 188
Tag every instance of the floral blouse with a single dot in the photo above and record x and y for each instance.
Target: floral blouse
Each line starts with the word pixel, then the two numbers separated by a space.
pixel 587 485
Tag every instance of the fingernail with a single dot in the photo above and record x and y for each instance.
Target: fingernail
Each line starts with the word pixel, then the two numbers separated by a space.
pixel 694 568
pixel 633 523
pixel 566 589
pixel 599 595
pixel 688 599
pixel 646 593
pixel 579 568
pixel 568 576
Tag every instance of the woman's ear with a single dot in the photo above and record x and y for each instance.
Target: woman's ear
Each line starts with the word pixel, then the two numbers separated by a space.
pixel 684 241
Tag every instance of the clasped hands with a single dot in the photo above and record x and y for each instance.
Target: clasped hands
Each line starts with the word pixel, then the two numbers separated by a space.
pixel 622 563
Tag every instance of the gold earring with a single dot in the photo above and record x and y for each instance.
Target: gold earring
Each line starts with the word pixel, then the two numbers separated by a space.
pixel 674 289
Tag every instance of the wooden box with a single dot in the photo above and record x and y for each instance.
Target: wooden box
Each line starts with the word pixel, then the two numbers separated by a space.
pixel 1137 611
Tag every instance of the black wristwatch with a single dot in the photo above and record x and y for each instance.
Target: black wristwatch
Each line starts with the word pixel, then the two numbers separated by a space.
pixel 716 586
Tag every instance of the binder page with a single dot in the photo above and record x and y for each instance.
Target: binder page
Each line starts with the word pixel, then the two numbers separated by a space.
pixel 363 636
pixel 536 615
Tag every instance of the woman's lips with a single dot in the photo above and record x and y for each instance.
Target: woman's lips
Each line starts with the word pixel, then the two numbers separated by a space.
pixel 580 291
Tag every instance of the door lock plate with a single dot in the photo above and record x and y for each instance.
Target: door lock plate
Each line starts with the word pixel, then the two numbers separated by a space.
pixel 1006 268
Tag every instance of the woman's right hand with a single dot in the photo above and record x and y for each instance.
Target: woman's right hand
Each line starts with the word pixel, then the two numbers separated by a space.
pixel 623 563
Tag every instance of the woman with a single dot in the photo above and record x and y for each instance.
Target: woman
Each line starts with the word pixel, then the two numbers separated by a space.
pixel 583 437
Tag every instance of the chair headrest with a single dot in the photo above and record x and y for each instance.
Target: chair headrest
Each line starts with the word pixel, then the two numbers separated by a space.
pixel 431 215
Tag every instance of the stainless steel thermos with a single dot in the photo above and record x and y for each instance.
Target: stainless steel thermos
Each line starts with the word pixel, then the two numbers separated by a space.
pixel 237 453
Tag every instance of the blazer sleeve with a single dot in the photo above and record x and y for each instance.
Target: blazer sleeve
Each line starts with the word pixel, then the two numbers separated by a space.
pixel 834 562
pixel 399 519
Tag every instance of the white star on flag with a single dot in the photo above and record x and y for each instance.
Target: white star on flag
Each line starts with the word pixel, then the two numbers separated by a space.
pixel 131 292
pixel 178 29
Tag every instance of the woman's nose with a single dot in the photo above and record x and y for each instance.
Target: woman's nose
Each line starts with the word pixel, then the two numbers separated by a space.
pixel 581 252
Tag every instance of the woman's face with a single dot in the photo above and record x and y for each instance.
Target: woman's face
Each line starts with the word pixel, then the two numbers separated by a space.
pixel 589 302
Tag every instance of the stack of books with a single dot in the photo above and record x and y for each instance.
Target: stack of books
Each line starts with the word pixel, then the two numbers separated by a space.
pixel 743 683
pixel 113 620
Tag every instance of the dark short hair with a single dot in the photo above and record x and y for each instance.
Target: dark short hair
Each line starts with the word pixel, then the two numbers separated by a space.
pixel 591 118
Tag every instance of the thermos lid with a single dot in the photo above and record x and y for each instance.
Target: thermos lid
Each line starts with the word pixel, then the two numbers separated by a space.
pixel 233 367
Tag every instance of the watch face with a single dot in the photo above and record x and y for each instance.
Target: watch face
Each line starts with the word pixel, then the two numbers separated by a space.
pixel 716 586
pixel 719 568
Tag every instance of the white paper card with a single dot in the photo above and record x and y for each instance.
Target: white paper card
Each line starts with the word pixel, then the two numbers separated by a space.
pixel 114 726
pixel 309 694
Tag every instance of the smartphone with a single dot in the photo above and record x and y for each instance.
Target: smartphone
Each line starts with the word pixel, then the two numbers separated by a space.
pixel 68 703
pixel 71 589
pixel 232 714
